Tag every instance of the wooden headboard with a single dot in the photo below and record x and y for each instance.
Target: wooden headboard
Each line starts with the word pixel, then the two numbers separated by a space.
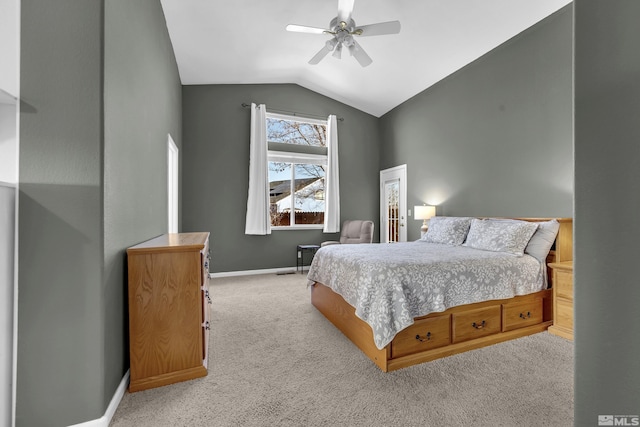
pixel 564 240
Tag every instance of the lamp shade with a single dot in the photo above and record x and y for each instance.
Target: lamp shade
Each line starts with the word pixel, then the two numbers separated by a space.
pixel 424 212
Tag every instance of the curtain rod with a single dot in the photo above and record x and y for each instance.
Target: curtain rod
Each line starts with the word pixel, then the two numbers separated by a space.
pixel 293 113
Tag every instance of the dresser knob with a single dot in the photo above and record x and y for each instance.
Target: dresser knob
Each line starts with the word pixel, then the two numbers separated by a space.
pixel 525 316
pixel 426 337
pixel 479 325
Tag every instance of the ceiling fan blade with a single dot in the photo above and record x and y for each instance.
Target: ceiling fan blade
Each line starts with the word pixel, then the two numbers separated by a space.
pixel 328 47
pixel 338 52
pixel 382 28
pixel 361 56
pixel 305 29
pixel 345 8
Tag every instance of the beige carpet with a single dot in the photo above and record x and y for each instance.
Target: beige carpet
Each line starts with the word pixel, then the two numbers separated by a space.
pixel 275 361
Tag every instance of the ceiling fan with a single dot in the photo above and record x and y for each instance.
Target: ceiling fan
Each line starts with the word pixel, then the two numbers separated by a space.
pixel 343 28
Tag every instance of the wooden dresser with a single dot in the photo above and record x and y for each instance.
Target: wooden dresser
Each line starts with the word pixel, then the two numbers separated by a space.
pixel 562 299
pixel 168 309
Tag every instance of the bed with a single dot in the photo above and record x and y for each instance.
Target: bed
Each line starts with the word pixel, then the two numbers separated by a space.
pixel 409 303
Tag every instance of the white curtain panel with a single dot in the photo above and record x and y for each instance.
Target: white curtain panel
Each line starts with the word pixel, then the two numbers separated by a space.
pixel 258 220
pixel 332 182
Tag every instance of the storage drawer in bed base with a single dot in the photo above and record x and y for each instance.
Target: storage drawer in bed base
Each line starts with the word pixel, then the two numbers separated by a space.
pixel 423 335
pixel 424 341
pixel 461 347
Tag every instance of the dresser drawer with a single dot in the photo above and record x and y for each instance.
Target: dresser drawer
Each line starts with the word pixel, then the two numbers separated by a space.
pixel 564 313
pixel 564 284
pixel 205 343
pixel 476 324
pixel 521 314
pixel 424 334
pixel 205 257
pixel 206 318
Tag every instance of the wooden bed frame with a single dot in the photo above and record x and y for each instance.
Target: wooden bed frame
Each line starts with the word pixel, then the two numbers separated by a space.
pixel 457 329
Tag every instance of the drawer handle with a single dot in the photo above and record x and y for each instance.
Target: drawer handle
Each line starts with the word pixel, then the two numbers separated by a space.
pixel 426 337
pixel 525 316
pixel 479 325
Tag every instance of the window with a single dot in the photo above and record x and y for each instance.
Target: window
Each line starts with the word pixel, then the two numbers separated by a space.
pixel 297 162
pixel 300 158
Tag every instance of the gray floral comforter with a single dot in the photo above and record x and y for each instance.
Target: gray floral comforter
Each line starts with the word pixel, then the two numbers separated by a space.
pixel 390 284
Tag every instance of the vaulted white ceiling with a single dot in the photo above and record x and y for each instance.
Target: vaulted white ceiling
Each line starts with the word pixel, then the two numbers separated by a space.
pixel 244 41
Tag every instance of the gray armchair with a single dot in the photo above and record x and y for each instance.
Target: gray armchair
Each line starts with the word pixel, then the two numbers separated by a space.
pixel 354 231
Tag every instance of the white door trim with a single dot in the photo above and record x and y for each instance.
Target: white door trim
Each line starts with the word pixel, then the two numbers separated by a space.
pixel 392 174
pixel 173 165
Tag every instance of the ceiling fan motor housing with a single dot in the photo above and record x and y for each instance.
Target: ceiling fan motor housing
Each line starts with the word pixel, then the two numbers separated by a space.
pixel 343 31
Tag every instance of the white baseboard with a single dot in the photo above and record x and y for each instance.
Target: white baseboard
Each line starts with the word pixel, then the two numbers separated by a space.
pixel 111 409
pixel 283 270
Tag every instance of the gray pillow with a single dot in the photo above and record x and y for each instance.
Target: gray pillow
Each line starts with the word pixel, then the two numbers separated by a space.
pixel 500 236
pixel 448 230
pixel 542 240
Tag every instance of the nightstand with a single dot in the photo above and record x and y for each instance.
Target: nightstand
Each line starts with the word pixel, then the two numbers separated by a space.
pixel 301 250
pixel 562 299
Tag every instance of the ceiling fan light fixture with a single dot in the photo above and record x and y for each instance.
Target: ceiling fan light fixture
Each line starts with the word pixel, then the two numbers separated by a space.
pixel 331 43
pixel 348 41
pixel 338 52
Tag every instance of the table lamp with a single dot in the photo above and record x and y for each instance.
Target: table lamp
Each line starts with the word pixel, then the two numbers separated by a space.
pixel 424 213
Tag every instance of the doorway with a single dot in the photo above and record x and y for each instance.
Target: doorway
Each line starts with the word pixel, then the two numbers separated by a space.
pixel 172 185
pixel 393 204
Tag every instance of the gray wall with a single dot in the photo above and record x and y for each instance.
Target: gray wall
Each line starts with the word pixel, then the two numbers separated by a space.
pixel 85 156
pixel 142 104
pixel 60 308
pixel 7 247
pixel 607 202
pixel 216 175
pixel 494 138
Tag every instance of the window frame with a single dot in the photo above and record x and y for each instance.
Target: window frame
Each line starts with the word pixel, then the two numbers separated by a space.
pixel 294 157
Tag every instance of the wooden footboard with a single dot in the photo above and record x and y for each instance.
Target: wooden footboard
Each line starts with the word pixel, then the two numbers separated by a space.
pixel 437 335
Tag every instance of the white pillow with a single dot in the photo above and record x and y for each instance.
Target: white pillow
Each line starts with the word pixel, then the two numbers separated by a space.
pixel 542 240
pixel 500 236
pixel 447 230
